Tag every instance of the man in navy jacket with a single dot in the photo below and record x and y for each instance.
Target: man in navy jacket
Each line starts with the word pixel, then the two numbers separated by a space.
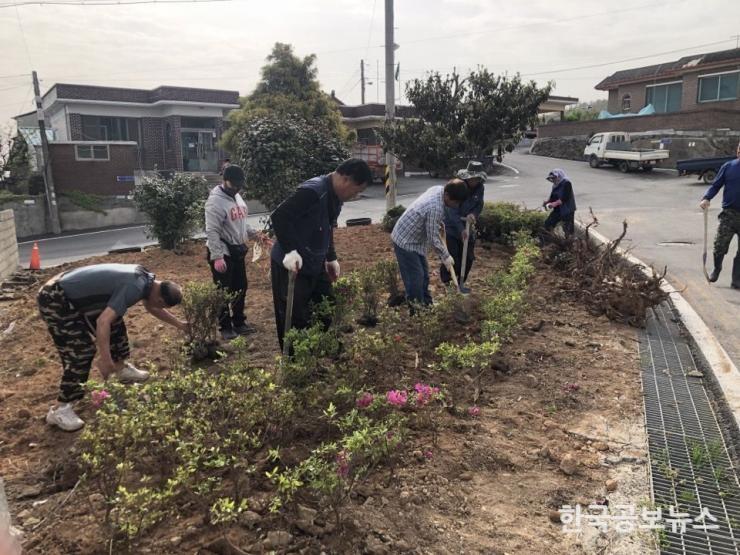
pixel 304 228
pixel 729 219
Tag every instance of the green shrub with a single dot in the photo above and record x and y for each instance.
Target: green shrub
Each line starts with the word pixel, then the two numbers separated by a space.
pixel 500 220
pixel 86 201
pixel 189 440
pixel 469 357
pixel 503 309
pixel 332 468
pixel 278 151
pixel 202 302
pixel 175 207
pixel 391 217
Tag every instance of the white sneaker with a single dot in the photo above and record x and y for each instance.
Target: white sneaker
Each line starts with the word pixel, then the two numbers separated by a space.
pixel 64 417
pixel 130 374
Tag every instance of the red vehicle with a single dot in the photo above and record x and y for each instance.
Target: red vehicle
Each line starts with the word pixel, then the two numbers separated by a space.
pixel 375 158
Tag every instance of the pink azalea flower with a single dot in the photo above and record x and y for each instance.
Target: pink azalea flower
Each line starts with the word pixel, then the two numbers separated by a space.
pixel 474 411
pixel 99 397
pixel 365 400
pixel 428 454
pixel 571 387
pixel 425 393
pixel 396 398
pixel 342 464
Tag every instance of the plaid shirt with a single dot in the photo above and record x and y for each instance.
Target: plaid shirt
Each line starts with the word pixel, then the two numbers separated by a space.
pixel 418 227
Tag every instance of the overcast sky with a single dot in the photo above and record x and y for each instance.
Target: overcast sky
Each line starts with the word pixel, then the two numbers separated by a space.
pixel 223 44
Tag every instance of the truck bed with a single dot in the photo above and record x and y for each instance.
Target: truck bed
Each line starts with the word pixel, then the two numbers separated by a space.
pixel 636 155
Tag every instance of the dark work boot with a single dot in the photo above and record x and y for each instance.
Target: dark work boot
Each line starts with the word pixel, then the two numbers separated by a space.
pixel 714 276
pixel 736 271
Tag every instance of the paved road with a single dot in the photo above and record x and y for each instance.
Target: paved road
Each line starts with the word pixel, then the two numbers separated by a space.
pixel 665 227
pixel 661 210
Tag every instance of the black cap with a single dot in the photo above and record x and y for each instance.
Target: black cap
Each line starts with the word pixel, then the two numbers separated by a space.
pixel 235 176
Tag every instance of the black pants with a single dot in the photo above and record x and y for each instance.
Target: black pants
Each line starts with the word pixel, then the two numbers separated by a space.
pixel 568 221
pixel 309 290
pixel 73 336
pixel 234 280
pixel 455 246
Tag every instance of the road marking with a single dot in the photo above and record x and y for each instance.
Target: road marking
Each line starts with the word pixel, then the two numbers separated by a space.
pixel 80 235
pixel 510 186
pixel 512 168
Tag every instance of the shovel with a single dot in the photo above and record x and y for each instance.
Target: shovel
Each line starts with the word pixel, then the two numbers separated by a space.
pixel 462 312
pixel 468 230
pixel 289 312
pixel 704 256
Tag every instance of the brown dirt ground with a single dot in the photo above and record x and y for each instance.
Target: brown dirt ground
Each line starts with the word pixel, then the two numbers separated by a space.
pixel 488 487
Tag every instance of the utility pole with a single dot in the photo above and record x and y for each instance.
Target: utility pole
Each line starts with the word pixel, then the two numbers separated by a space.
pixel 737 40
pixel 51 199
pixel 390 105
pixel 362 79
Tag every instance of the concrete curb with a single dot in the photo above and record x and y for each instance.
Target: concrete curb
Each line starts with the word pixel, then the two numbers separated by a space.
pixel 725 372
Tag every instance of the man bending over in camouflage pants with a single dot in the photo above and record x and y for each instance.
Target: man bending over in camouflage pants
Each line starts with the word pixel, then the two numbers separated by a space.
pixel 729 219
pixel 84 310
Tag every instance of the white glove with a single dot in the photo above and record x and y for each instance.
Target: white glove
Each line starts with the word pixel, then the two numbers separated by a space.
pixel 548 206
pixel 449 263
pixel 292 261
pixel 332 268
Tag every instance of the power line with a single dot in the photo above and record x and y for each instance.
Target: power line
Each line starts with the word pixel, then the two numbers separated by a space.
pixel 626 59
pixel 108 3
pixel 23 35
pixel 15 76
pixel 539 23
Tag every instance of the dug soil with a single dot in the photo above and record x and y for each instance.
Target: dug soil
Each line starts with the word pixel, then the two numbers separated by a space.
pixel 560 411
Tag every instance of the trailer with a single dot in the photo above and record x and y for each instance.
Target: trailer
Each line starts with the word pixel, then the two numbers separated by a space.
pixel 705 168
pixel 375 158
pixel 616 149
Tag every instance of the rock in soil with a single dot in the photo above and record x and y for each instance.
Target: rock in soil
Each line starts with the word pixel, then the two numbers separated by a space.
pixel 555 516
pixel 600 446
pixel 276 539
pixel 569 464
pixel 611 485
pixel 29 492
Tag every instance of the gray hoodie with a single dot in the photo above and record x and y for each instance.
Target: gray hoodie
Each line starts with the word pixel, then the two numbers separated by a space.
pixel 226 222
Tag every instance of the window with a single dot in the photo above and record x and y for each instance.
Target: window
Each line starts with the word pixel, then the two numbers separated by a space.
pixel 595 140
pixel 664 98
pixel 198 123
pixel 626 102
pixel 87 153
pixel 723 86
pixel 99 128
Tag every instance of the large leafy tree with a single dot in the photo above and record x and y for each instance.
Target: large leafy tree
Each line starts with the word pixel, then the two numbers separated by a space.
pixel 288 86
pixel 468 117
pixel 278 151
pixel 287 130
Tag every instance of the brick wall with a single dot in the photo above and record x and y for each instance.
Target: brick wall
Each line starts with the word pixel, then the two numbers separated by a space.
pixel 97 177
pixel 8 244
pixel 695 120
pixel 75 127
pixel 173 154
pixel 152 130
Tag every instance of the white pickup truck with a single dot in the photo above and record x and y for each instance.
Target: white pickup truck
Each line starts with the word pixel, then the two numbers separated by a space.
pixel 616 149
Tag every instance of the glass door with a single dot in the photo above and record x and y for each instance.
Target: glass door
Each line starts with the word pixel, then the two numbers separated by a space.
pixel 190 151
pixel 199 151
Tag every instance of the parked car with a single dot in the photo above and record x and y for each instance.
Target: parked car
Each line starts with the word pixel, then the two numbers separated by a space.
pixel 705 168
pixel 616 149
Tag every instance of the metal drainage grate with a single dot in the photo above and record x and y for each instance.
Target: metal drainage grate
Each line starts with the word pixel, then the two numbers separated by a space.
pixel 690 468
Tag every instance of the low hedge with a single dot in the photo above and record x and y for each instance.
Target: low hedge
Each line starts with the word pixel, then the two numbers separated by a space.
pixel 500 220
